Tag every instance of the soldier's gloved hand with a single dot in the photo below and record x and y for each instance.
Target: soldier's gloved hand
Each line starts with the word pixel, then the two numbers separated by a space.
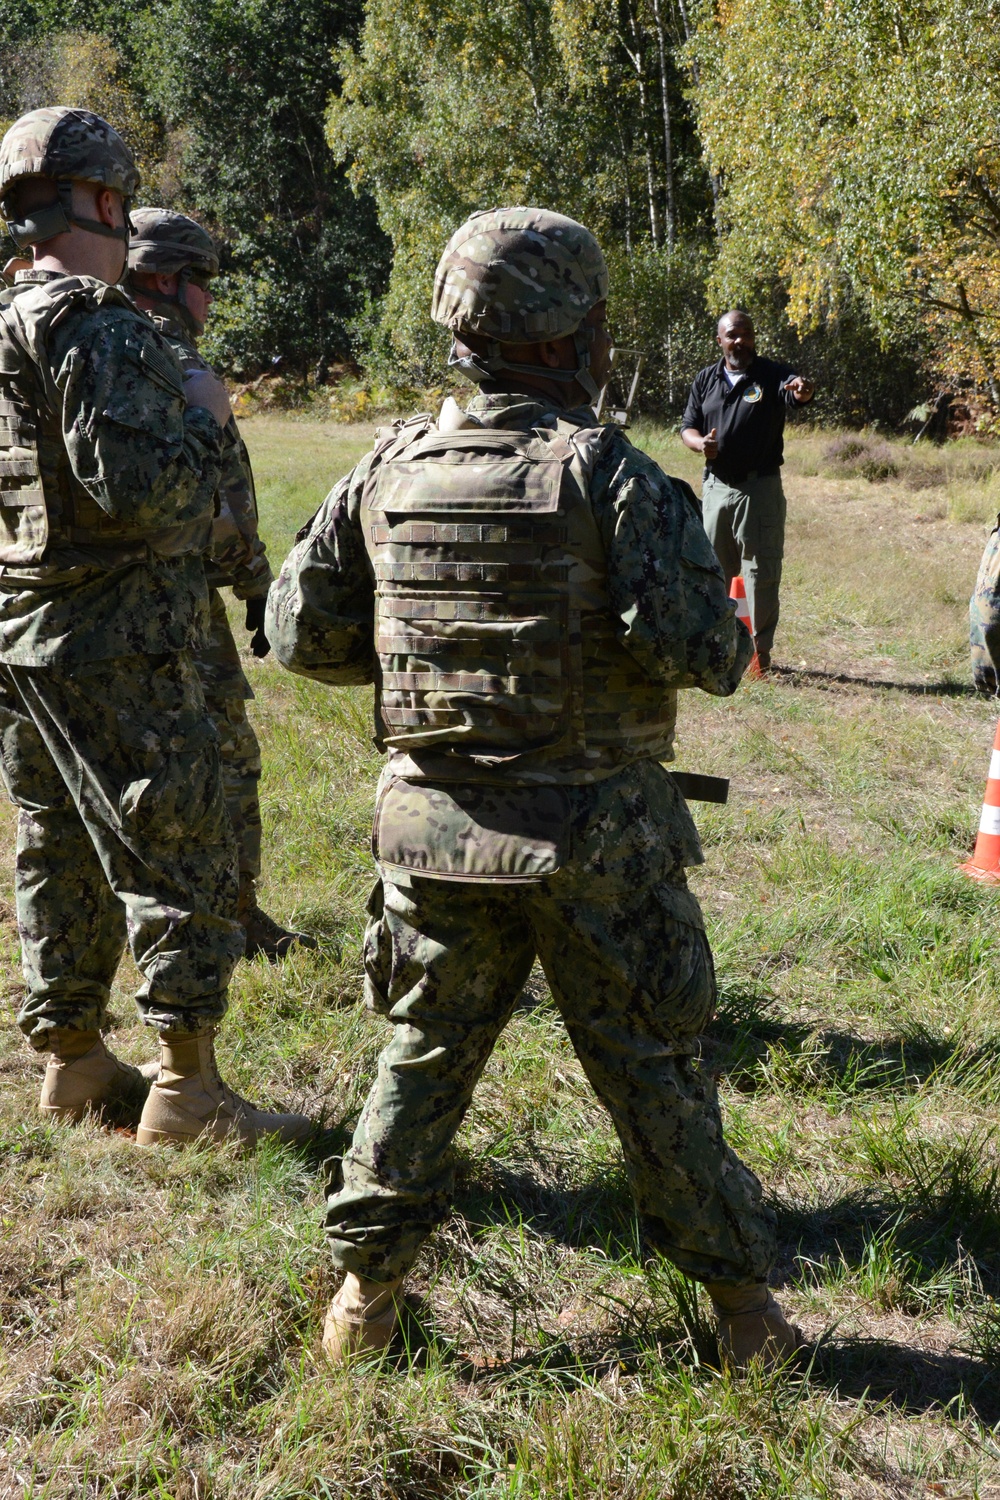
pixel 985 679
pixel 259 645
pixel 202 388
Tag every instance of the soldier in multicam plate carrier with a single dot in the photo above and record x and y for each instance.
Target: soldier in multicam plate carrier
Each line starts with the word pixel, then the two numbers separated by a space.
pixel 528 591
pixel 109 463
pixel 172 261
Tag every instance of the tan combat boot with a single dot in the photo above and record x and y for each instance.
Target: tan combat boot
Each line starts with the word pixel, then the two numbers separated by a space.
pixel 751 1326
pixel 82 1074
pixel 189 1100
pixel 362 1318
pixel 263 933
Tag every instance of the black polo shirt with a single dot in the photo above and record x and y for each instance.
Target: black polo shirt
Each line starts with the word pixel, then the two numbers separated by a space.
pixel 748 417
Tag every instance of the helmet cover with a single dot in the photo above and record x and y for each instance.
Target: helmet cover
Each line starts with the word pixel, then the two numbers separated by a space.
pixel 66 146
pixel 165 241
pixel 519 275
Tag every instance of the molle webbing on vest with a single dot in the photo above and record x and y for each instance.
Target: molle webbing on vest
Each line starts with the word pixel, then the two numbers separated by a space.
pixel 495 637
pixel 23 516
pixel 42 503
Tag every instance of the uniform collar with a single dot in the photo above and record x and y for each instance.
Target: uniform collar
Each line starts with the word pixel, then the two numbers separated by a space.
pixel 720 370
pixel 33 276
pixel 173 328
pixel 517 409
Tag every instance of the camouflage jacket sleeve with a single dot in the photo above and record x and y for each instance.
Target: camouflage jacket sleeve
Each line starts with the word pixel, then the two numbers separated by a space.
pixel 321 607
pixel 984 618
pixel 665 582
pixel 144 456
pixel 239 556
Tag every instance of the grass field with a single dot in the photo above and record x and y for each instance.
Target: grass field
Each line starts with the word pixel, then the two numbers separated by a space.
pixel 161 1312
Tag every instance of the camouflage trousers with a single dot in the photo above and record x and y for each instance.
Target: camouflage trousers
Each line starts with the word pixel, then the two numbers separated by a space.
pixel 122 836
pixel 226 693
pixel 746 526
pixel 446 961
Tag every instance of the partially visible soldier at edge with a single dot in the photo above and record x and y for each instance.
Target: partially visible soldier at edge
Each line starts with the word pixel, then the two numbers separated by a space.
pixel 528 592
pixel 172 261
pixel 735 418
pixel 109 462
pixel 984 619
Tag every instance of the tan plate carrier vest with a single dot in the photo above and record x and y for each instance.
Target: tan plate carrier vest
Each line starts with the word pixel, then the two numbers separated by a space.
pixel 42 503
pixel 495 636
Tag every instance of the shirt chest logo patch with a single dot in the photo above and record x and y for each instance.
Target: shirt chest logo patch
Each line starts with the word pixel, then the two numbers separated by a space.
pixel 753 394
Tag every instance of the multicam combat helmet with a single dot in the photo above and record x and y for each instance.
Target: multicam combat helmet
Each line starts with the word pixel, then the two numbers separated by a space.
pixel 520 275
pixel 67 146
pixel 166 241
pixel 172 244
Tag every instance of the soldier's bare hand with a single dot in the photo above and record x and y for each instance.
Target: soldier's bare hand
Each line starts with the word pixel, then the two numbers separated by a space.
pixel 202 388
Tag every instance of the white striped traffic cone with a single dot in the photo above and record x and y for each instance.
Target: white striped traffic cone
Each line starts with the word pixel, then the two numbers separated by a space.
pixel 985 862
pixel 738 591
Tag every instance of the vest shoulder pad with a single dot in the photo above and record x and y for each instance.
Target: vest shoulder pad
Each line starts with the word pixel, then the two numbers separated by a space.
pixel 44 305
pixel 391 441
pixel 591 442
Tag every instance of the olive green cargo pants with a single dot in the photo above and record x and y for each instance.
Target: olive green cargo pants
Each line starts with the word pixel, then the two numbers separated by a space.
pixel 746 526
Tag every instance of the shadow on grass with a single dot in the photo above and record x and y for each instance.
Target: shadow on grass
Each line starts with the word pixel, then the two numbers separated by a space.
pixel 910 1380
pixel 948 1210
pixel 794 676
pixel 598 1213
pixel 744 1032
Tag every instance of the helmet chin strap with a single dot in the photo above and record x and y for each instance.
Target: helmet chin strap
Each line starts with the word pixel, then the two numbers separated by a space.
pixel 55 218
pixel 480 367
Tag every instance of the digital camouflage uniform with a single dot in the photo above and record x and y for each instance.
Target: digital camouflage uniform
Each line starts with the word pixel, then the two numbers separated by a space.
pixel 106 747
pixel 106 491
pixel 172 260
pixel 984 617
pixel 527 629
pixel 237 560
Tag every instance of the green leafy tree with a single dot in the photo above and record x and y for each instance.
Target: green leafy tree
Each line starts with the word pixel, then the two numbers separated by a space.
pixel 242 85
pixel 865 169
pixel 574 104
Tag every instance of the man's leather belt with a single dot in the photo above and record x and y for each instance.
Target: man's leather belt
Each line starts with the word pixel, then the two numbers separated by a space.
pixel 747 477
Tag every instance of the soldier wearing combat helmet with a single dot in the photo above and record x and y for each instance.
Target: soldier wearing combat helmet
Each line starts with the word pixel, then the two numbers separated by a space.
pixel 109 463
pixel 528 592
pixel 172 261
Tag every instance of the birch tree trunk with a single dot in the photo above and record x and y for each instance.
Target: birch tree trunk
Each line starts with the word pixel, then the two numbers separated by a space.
pixel 668 154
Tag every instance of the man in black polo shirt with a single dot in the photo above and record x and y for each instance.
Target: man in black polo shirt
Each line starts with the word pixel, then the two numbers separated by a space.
pixel 735 416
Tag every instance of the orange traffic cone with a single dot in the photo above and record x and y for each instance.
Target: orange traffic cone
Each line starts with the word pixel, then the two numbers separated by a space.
pixel 985 862
pixel 738 591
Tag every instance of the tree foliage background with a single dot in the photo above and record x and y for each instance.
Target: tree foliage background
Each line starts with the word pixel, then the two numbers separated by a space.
pixel 224 104
pixel 834 165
